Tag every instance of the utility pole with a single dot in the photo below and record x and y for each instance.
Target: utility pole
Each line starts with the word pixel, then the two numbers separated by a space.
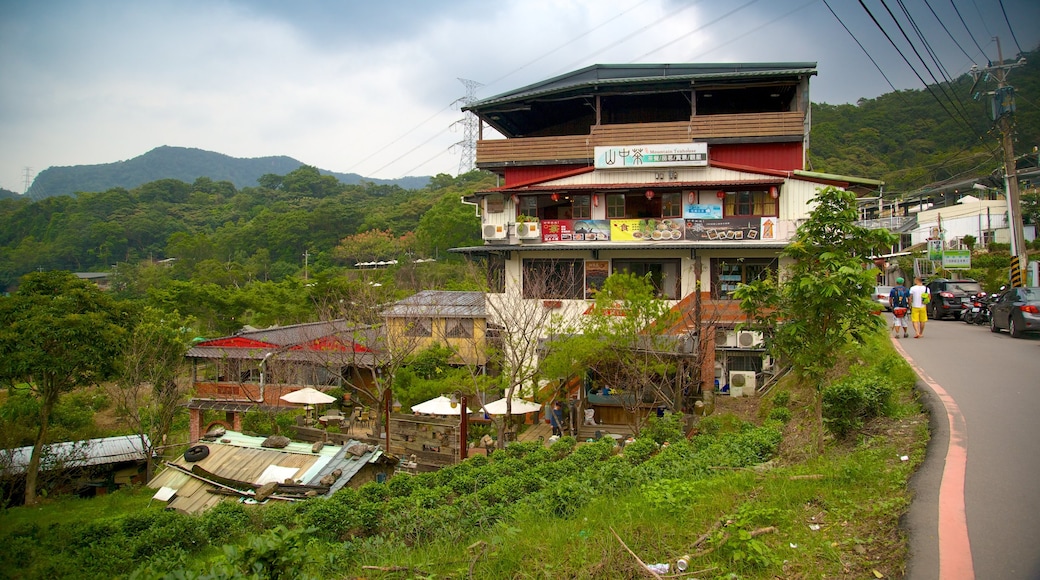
pixel 1003 107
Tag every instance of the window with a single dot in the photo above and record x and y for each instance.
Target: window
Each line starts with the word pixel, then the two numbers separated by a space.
pixel 419 327
pixel 727 273
pixel 663 274
pixel 750 204
pixel 458 328
pixel 556 279
pixel 529 206
pixel 671 205
pixel 615 205
pixel 582 207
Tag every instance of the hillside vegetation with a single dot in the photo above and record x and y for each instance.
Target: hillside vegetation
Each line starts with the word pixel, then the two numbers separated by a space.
pixel 908 139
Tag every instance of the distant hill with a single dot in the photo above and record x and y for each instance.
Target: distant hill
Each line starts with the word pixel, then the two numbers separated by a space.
pixel 184 164
pixel 8 194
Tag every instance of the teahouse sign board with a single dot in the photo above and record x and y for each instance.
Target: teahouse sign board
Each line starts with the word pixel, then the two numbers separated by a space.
pixel 650 156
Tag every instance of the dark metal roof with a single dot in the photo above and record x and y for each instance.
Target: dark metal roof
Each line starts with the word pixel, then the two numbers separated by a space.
pixel 628 76
pixel 70 454
pixel 440 304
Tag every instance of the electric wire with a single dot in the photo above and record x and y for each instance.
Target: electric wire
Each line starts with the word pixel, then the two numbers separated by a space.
pixel 968 30
pixel 754 30
pixel 698 29
pixel 864 49
pixel 948 33
pixel 1010 29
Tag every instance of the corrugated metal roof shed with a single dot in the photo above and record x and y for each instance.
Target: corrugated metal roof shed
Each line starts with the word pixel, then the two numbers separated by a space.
pixel 90 452
pixel 440 304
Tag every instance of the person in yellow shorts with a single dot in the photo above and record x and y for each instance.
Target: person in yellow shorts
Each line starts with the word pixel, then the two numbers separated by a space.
pixel 919 298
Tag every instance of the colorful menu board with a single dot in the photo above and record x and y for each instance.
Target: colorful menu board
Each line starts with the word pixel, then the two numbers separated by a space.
pixel 734 229
pixel 575 230
pixel 648 230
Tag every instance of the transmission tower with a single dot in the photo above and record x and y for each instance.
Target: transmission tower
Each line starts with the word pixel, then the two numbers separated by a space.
pixel 27 174
pixel 470 128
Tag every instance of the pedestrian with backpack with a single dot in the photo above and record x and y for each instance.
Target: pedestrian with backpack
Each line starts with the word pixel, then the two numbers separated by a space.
pixel 899 299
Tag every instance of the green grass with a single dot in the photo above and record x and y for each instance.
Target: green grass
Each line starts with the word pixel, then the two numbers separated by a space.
pixel 66 509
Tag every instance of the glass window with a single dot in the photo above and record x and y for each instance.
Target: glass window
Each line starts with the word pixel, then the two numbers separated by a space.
pixel 529 206
pixel 556 279
pixel 582 207
pixel 727 273
pixel 750 204
pixel 615 205
pixel 419 327
pixel 458 328
pixel 671 205
pixel 663 274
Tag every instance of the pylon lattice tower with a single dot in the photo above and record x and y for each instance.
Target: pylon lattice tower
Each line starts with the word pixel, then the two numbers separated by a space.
pixel 470 128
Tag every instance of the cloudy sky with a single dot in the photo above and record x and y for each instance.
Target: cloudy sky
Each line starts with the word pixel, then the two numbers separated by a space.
pixel 373 87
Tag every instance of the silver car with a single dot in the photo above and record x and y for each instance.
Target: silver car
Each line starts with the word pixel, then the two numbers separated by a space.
pixel 1018 310
pixel 881 296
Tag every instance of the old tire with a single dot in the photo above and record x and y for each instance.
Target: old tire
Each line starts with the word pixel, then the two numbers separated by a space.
pixel 196 453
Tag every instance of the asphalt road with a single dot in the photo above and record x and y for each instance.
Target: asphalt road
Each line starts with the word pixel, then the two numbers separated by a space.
pixel 984 389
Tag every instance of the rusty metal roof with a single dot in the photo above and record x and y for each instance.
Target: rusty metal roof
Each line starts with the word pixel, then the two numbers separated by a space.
pixel 71 454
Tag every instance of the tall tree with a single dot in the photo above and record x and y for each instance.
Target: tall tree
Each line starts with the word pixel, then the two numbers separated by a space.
pixel 57 332
pixel 822 300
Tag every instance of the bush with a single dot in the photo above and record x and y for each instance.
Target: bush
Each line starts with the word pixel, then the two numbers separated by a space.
pixel 782 414
pixel 782 399
pixel 848 403
pixel 660 429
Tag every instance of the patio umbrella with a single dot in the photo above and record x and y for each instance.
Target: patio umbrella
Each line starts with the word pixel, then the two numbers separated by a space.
pixel 438 406
pixel 308 396
pixel 518 407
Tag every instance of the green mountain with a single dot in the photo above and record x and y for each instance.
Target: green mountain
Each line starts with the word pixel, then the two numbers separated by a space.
pixel 914 138
pixel 183 164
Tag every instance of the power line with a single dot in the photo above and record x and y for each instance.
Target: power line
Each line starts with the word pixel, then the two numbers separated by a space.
pixel 863 48
pixel 948 33
pixel 403 135
pixel 968 30
pixel 698 29
pixel 1010 29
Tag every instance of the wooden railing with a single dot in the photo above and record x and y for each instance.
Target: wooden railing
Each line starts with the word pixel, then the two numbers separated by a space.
pixel 580 147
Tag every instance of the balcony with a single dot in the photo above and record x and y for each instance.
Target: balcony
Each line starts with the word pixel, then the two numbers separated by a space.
pixel 572 148
pixel 899 224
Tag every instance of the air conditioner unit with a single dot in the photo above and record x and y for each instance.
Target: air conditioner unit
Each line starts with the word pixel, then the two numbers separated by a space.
pixel 529 231
pixel 748 339
pixel 495 232
pixel 741 383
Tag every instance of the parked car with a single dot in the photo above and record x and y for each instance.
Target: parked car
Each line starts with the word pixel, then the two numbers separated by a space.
pixel 949 297
pixel 1018 310
pixel 881 296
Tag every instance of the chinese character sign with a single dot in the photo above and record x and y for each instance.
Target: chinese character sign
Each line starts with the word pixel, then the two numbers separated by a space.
pixel 674 155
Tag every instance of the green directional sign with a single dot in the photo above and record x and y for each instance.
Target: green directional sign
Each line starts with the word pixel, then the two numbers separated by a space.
pixel 956 259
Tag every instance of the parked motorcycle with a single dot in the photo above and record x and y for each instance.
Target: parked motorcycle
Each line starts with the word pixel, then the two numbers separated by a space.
pixel 976 311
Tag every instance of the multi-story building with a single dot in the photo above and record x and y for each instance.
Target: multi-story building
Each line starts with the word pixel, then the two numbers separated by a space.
pixel 693 174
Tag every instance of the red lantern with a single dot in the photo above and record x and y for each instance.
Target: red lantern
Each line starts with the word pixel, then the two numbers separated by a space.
pixel 774 192
pixel 721 194
pixel 649 194
pixel 693 197
pixel 556 197
pixel 595 200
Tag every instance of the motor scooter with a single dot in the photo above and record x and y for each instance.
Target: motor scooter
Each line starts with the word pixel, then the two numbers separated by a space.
pixel 976 308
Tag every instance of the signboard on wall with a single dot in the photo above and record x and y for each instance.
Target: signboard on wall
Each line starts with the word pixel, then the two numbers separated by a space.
pixel 731 229
pixel 697 211
pixel 596 273
pixel 575 230
pixel 649 156
pixel 649 230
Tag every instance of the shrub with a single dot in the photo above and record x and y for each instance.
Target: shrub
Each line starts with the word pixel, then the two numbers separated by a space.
pixel 661 429
pixel 782 399
pixel 225 521
pixel 855 399
pixel 640 450
pixel 782 414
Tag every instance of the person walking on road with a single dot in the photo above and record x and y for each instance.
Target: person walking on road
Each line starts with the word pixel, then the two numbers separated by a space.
pixel 899 299
pixel 919 299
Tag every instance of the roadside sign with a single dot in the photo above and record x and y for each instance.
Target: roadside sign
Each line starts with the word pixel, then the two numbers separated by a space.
pixel 956 259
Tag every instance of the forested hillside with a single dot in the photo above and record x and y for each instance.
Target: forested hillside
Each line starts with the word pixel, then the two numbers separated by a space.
pixel 184 164
pixel 909 139
pixel 294 225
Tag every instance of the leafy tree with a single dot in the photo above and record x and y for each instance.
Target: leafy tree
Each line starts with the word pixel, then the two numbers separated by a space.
pixel 57 332
pixel 822 300
pixel 146 390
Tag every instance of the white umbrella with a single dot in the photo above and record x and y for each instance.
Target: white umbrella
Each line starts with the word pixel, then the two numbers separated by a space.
pixel 518 407
pixel 438 406
pixel 308 396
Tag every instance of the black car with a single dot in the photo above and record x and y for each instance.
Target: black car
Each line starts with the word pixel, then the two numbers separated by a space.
pixel 950 296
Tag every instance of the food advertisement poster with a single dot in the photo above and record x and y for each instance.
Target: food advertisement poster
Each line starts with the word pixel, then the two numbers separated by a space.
pixel 575 230
pixel 698 211
pixel 729 229
pixel 652 230
pixel 596 273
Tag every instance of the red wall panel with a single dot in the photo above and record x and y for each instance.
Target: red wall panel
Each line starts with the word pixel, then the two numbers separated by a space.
pixel 782 156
